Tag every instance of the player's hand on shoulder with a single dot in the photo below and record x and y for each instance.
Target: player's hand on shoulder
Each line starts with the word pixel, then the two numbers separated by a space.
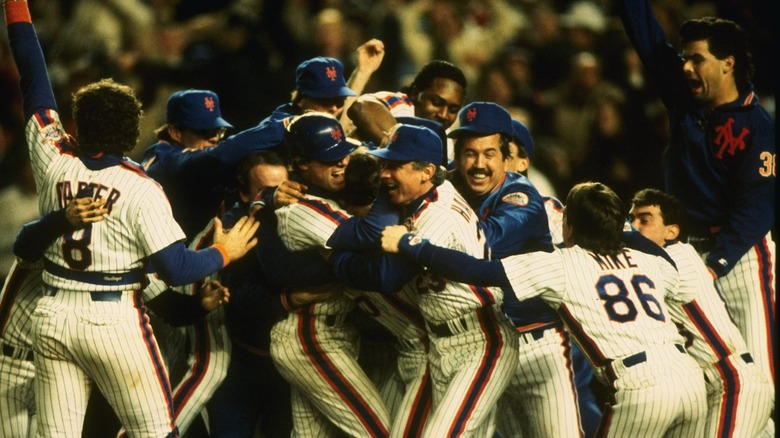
pixel 288 192
pixel 213 294
pixel 240 239
pixel 391 235
pixel 83 211
pixel 317 294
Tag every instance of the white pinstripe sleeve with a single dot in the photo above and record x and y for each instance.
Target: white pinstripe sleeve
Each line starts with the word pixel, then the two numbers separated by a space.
pixel 671 279
pixel 309 224
pixel 155 226
pixel 536 274
pixel 44 135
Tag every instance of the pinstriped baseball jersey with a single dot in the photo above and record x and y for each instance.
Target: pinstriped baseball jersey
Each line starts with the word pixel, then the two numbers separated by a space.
pixel 318 354
pixel 139 223
pixel 210 349
pixel 446 220
pixel 17 301
pixel 621 314
pixel 554 210
pixel 308 224
pixel 739 395
pixel 17 395
pixel 398 103
pixel 397 312
pixel 714 334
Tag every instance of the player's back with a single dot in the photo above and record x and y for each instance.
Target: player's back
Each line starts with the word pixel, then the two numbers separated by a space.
pixel 614 305
pixel 139 223
pixel 446 219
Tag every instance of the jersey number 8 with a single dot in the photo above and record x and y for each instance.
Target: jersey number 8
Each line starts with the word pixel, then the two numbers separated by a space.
pixel 76 251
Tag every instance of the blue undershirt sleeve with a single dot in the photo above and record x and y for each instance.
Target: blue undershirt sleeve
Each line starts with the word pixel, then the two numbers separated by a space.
pixel 359 234
pixel 376 272
pixel 36 236
pixel 177 265
pixel 454 265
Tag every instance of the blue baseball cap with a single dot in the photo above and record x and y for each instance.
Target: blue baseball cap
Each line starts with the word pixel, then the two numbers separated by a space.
pixel 195 109
pixel 412 143
pixel 522 136
pixel 322 78
pixel 319 137
pixel 483 118
pixel 433 125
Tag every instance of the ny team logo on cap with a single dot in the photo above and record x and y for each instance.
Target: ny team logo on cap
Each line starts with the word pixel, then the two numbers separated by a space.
pixel 209 102
pixel 322 78
pixel 481 119
pixel 331 73
pixel 195 109
pixel 471 114
pixel 336 133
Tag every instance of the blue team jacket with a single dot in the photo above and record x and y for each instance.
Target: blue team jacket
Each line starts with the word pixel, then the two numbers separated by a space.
pixel 720 163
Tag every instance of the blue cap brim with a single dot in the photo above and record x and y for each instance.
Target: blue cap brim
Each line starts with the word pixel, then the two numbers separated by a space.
pixel 390 155
pixel 329 93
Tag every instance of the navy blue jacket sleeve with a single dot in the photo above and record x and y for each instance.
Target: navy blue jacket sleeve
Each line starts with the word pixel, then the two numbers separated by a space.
pixel 518 226
pixel 34 78
pixel 385 273
pixel 662 61
pixel 36 236
pixel 751 208
pixel 453 264
pixel 357 234
pixel 177 265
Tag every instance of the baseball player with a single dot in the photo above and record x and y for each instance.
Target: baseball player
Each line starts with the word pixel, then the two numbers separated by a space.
pixel 380 294
pixel 436 93
pixel 92 276
pixel 513 218
pixel 611 299
pixel 473 348
pixel 721 160
pixel 314 348
pixel 253 393
pixel 174 308
pixel 17 301
pixel 739 396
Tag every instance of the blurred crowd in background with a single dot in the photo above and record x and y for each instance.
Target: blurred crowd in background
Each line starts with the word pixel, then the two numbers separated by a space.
pixel 563 67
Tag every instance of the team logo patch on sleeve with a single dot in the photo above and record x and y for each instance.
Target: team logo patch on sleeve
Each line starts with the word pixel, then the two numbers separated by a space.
pixel 517 198
pixel 51 133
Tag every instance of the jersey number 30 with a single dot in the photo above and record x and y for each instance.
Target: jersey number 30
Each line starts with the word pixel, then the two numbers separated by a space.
pixel 618 303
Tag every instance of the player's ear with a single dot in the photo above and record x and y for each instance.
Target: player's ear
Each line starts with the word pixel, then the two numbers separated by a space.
pixel 175 133
pixel 672 232
pixel 728 64
pixel 427 173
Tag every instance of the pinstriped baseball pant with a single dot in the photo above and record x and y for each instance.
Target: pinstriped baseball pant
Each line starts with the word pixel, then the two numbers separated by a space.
pixel 79 342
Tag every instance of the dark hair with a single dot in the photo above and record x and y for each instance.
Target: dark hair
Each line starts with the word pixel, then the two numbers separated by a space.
pixel 503 146
pixel 595 214
pixel 670 207
pixel 434 70
pixel 108 117
pixel 269 157
pixel 725 38
pixel 361 180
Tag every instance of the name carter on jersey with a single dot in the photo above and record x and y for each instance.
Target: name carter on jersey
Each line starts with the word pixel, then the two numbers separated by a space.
pixel 65 191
